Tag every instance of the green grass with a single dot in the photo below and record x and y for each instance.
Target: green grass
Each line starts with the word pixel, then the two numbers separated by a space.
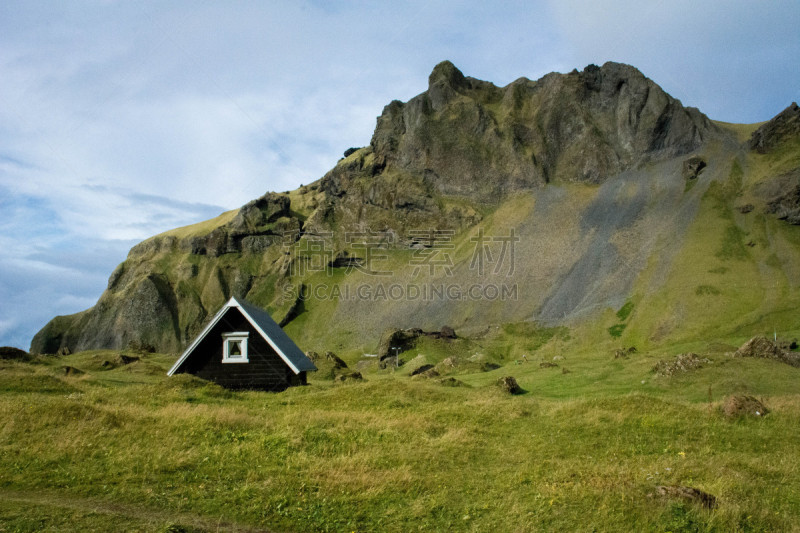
pixel 616 330
pixel 201 228
pixel 126 448
pixel 625 311
pixel 703 290
pixel 742 132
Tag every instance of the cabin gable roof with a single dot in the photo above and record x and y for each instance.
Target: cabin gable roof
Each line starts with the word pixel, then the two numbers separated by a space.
pixel 294 358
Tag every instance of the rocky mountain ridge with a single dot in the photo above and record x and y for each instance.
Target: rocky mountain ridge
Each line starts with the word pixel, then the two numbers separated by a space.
pixel 582 126
pixel 597 176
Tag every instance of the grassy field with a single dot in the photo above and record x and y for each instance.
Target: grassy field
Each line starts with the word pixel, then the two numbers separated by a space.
pixel 123 447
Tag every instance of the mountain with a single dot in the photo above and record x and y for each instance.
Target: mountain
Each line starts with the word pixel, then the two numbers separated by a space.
pixel 591 200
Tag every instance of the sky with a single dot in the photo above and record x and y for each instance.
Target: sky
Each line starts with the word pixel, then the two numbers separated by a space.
pixel 120 120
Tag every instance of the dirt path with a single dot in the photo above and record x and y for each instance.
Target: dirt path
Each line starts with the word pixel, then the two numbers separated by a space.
pixel 155 518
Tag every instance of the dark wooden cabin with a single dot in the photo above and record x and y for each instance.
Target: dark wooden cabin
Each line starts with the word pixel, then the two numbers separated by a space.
pixel 243 348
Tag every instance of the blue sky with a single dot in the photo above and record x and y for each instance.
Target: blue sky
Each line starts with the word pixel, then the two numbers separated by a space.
pixel 119 120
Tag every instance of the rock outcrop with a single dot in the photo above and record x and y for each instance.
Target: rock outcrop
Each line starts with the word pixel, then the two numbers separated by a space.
pixel 468 137
pixel 782 196
pixel 774 132
pixel 763 348
pixel 509 384
pixel 682 363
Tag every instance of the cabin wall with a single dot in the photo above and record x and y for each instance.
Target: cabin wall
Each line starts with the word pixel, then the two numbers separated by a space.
pixel 264 371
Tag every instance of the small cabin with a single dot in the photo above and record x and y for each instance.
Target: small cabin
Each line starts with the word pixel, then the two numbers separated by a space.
pixel 243 348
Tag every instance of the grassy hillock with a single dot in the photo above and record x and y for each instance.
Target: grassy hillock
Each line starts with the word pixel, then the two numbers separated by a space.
pixel 116 445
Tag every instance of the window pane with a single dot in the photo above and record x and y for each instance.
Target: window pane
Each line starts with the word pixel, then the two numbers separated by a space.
pixel 235 349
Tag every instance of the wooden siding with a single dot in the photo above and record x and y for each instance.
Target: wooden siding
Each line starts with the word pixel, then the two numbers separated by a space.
pixel 265 370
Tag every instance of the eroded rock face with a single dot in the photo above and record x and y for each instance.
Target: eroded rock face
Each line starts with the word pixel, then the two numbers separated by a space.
pixel 264 222
pixel 692 167
pixel 472 138
pixel 781 192
pixel 784 125
pixel 783 197
pixel 259 224
pixel 257 213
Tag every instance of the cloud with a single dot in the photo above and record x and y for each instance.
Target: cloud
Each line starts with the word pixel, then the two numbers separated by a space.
pixel 39 281
pixel 727 58
pixel 124 119
pixel 5 327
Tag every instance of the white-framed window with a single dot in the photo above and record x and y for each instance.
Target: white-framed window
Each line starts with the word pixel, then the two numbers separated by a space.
pixel 234 347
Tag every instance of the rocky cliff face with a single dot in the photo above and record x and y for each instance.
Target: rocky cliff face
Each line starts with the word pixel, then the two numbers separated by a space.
pixel 470 138
pixel 784 126
pixel 594 177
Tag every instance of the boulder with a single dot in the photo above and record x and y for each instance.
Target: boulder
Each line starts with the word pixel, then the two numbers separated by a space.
pixel 421 369
pixel 403 339
pixel 428 374
pixel 350 376
pixel 692 167
pixel 329 358
pixel 509 384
